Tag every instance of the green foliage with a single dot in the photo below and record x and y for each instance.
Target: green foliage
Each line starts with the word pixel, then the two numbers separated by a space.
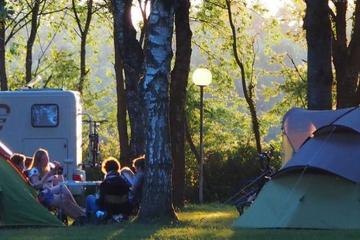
pixel 56 62
pixel 228 139
pixel 276 83
pixel 226 173
pixel 7 10
pixel 59 70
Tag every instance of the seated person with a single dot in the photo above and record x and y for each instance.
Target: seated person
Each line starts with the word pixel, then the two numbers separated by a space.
pixel 28 163
pixel 113 196
pixel 51 195
pixel 138 181
pixel 128 175
pixel 18 161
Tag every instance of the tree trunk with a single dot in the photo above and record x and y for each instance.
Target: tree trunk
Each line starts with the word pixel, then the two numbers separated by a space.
pixel 134 63
pixel 179 79
pixel 346 58
pixel 246 90
pixel 121 107
pixel 118 10
pixel 3 78
pixel 132 55
pixel 318 37
pixel 82 63
pixel 354 48
pixel 83 38
pixel 157 193
pixel 31 40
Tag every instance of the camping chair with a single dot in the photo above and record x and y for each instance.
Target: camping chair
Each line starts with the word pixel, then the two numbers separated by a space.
pixel 115 204
pixel 114 196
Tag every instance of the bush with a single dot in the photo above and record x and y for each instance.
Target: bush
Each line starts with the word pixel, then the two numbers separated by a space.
pixel 225 177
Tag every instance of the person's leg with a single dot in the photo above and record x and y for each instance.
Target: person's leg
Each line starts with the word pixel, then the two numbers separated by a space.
pixel 91 205
pixel 64 200
pixel 69 208
pixel 66 197
pixel 64 191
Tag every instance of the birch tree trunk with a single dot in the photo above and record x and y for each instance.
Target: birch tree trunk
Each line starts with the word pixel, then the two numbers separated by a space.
pixel 157 193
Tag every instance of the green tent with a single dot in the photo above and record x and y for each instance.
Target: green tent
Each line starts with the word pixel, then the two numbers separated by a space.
pixel 18 203
pixel 310 200
pixel 318 185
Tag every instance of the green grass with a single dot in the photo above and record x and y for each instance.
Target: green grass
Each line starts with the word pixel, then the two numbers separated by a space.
pixel 196 222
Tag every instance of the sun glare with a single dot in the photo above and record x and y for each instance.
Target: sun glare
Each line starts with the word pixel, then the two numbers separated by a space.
pixel 272 6
pixel 136 15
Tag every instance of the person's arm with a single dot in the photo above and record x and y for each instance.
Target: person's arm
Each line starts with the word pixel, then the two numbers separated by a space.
pixel 128 178
pixel 35 180
pixel 57 179
pixel 137 181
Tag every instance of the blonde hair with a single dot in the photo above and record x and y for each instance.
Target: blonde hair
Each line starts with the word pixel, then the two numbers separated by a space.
pixel 37 158
pixel 126 170
pixel 139 162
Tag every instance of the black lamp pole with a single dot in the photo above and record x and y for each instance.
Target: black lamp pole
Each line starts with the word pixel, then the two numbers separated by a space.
pixel 201 167
pixel 202 78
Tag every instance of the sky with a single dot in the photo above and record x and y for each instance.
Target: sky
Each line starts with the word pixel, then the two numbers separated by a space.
pixel 272 5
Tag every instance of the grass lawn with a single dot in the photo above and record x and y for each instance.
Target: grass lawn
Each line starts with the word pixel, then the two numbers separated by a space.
pixel 196 222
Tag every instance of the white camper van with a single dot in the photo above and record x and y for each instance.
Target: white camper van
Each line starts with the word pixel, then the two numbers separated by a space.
pixel 50 119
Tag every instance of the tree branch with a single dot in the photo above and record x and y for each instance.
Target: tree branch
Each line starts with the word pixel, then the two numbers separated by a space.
pixel 88 16
pixel 43 51
pixel 190 142
pixel 249 100
pixel 296 68
pixel 77 18
pixel 215 4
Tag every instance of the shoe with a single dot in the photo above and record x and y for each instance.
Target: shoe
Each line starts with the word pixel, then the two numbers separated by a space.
pixel 100 214
pixel 119 218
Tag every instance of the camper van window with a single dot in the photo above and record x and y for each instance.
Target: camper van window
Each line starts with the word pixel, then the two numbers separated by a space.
pixel 45 115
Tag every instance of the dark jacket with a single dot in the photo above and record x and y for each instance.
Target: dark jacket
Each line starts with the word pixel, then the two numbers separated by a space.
pixel 114 194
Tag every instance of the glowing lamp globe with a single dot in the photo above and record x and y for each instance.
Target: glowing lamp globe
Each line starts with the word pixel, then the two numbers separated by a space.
pixel 202 77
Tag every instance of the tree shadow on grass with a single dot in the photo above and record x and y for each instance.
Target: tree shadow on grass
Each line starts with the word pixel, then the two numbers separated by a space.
pixel 133 230
pixel 88 232
pixel 195 222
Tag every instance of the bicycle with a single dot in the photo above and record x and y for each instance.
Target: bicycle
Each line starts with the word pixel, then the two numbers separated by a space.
pixel 94 143
pixel 247 195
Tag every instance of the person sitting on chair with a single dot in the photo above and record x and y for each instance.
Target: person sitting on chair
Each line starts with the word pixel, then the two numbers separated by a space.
pixel 18 161
pixel 113 196
pixel 138 182
pixel 128 175
pixel 42 178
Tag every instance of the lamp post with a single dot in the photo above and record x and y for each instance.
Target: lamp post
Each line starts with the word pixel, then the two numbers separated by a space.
pixel 202 78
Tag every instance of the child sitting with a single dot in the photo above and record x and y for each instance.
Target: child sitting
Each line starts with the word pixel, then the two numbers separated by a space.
pixel 113 196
